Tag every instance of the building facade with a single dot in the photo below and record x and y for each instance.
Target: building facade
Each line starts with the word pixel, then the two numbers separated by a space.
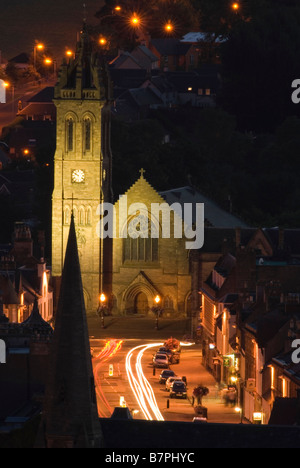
pixel 82 167
pixel 147 265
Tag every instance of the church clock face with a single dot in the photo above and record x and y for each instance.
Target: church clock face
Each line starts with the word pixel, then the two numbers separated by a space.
pixel 78 176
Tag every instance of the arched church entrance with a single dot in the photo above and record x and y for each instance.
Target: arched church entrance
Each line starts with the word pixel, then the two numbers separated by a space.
pixel 141 303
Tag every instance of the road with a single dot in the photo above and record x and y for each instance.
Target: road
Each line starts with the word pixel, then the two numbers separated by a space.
pixel 112 353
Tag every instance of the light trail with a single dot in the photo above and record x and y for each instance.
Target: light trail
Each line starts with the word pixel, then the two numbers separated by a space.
pixel 110 349
pixel 140 386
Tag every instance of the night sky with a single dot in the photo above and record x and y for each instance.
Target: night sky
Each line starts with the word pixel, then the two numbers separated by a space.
pixel 55 23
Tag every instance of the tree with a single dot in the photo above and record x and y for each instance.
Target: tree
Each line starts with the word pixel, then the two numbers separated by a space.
pixel 260 62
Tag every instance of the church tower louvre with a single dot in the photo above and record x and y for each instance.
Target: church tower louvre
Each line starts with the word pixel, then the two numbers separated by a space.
pixel 70 417
pixel 82 168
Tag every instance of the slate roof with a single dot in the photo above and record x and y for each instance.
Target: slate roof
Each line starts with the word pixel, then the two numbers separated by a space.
pixel 170 46
pixel 45 95
pixel 215 215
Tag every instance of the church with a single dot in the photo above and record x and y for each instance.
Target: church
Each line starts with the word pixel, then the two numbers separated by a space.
pixel 130 272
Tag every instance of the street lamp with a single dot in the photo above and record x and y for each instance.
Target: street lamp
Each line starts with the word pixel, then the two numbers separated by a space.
pixel 38 47
pixel 169 27
pixel 157 310
pixel 237 409
pixel 235 6
pixel 7 85
pixel 48 61
pixel 134 20
pixel 101 308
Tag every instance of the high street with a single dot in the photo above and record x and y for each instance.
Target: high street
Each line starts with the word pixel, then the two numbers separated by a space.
pixel 113 381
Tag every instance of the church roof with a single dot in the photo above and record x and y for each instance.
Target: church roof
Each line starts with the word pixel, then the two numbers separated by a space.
pixel 36 323
pixel 214 215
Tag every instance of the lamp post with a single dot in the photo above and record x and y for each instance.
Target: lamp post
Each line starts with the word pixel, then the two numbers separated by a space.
pixel 38 47
pixel 101 308
pixel 157 310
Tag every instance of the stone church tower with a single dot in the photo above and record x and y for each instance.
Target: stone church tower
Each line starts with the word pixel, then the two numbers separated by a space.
pixel 82 168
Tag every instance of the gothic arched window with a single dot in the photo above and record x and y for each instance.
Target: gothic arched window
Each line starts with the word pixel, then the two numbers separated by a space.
pixel 87 134
pixel 81 216
pixel 67 216
pixel 139 245
pixel 89 216
pixel 70 134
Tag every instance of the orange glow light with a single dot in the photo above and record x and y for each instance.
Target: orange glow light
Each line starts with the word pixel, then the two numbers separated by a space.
pixel 169 27
pixel 40 46
pixel 235 6
pixel 102 298
pixel 48 61
pixel 135 21
pixel 118 8
pixel 102 41
pixel 69 53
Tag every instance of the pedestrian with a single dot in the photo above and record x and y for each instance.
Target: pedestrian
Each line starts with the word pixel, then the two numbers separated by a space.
pixel 231 397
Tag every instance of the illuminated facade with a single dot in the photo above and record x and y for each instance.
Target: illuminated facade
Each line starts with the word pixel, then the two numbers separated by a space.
pixel 82 168
pixel 145 267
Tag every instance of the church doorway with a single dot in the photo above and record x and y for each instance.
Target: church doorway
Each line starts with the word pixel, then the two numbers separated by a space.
pixel 141 303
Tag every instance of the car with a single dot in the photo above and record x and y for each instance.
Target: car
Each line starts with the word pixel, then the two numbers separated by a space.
pixel 174 356
pixel 200 420
pixel 178 389
pixel 161 360
pixel 166 373
pixel 164 350
pixel 170 380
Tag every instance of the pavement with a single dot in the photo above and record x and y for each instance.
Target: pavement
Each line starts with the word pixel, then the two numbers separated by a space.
pixel 143 328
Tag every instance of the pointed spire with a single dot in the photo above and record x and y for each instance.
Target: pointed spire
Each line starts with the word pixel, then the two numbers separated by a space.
pixel 35 322
pixel 70 403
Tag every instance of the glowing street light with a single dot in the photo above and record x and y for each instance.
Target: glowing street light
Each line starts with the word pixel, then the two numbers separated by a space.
pixel 69 53
pixel 102 298
pixel 135 21
pixel 235 6
pixel 101 308
pixel 157 310
pixel 38 47
pixel 102 41
pixel 169 27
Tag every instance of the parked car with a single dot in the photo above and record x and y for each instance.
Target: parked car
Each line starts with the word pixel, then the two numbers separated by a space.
pixel 178 389
pixel 170 381
pixel 161 360
pixel 174 356
pixel 166 373
pixel 164 350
